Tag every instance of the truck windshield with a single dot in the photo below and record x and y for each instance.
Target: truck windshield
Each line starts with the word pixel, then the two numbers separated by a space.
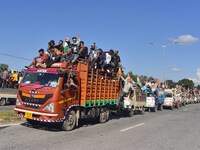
pixel 45 79
pixel 168 94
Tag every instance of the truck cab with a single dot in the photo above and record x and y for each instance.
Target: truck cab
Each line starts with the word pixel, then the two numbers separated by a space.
pixel 42 95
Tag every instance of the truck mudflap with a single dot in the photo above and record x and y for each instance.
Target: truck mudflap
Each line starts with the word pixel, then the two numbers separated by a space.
pixel 38 116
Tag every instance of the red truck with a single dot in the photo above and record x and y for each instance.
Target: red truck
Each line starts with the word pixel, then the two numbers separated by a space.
pixel 59 94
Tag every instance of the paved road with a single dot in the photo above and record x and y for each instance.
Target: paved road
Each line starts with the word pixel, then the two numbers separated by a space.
pixel 7 107
pixel 166 130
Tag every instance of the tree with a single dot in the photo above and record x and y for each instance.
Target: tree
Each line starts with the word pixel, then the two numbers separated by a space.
pixel 134 77
pixel 143 78
pixel 186 83
pixel 170 83
pixel 2 67
pixel 151 79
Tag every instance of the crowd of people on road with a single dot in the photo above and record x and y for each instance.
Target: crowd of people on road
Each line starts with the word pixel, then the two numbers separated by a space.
pixel 10 78
pixel 74 51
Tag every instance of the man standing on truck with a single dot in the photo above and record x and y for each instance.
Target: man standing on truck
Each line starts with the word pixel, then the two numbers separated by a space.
pixel 128 85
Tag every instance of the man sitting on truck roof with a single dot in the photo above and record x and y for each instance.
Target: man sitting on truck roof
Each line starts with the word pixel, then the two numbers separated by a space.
pixel 51 46
pixel 52 58
pixel 42 56
pixel 99 61
pixel 60 46
pixel 68 57
pixel 83 53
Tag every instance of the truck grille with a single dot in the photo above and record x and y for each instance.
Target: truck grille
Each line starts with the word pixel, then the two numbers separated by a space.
pixel 30 105
pixel 35 100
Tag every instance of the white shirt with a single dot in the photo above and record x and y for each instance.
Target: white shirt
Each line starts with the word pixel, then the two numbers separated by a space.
pixel 108 58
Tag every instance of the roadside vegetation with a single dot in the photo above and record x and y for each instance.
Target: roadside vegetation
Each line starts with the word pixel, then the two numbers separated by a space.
pixel 8 116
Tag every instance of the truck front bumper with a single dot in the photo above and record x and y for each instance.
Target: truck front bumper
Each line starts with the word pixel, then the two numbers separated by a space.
pixel 38 116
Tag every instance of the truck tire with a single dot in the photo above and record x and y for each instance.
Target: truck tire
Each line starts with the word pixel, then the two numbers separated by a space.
pixel 172 107
pixel 108 114
pixel 142 111
pixel 131 113
pixel 2 101
pixel 103 115
pixel 70 121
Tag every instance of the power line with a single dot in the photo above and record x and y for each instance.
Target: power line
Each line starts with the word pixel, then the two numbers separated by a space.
pixel 15 56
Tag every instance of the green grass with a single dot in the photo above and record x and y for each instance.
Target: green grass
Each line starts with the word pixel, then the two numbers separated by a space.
pixel 8 116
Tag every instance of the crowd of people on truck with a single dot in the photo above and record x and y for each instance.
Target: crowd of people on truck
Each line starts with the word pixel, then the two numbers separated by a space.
pixel 10 78
pixel 154 86
pixel 74 51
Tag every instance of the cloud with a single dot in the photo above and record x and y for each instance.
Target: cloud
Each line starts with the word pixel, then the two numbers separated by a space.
pixel 175 69
pixel 186 39
pixel 197 79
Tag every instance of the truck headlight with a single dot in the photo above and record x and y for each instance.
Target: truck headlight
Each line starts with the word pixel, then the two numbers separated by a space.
pixel 18 102
pixel 49 107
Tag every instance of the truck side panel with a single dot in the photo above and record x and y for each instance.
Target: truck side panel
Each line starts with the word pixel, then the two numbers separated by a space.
pixel 97 89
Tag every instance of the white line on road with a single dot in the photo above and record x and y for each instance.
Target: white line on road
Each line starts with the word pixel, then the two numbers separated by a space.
pixel 6 125
pixel 132 127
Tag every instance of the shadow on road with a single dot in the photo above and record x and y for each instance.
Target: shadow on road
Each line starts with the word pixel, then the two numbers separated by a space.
pixel 56 127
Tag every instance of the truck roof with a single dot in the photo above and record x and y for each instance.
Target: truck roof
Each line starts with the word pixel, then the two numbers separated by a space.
pixel 53 69
pixel 45 70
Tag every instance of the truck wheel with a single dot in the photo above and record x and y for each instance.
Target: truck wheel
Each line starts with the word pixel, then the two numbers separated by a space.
pixel 142 111
pixel 107 114
pixel 131 113
pixel 103 115
pixel 70 121
pixel 172 107
pixel 2 102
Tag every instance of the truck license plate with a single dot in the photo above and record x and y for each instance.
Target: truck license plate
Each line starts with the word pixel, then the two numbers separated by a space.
pixel 28 115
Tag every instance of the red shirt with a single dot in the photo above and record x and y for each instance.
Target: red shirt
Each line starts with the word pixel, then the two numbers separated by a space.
pixel 43 57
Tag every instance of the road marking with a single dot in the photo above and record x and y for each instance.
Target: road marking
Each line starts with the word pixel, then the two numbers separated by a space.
pixel 7 125
pixel 132 127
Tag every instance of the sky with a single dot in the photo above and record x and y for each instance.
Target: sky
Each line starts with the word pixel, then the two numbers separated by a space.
pixel 141 30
